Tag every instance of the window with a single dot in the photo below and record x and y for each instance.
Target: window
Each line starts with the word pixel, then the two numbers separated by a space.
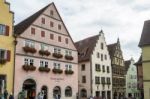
pixel 68 91
pixel 57 65
pixel 42 33
pixel 101 57
pixel 57 50
pixel 105 57
pixel 97 67
pixel 83 79
pixel 52 36
pixel 97 80
pixel 69 53
pixel 28 61
pixel 43 63
pixel 59 38
pixel 51 24
pixel 4 30
pixel 83 93
pixel 44 47
pixel 59 26
pixel 108 71
pixel 103 80
pixel 43 20
pixel 68 67
pixel 108 80
pixel 103 68
pixel 33 31
pixel 29 43
pixel 102 46
pixel 83 67
pixel 66 40
pixel 98 55
pixel 3 54
pixel 51 12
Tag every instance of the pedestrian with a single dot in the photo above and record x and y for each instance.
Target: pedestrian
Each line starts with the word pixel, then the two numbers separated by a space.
pixel 11 96
pixel 5 94
pixel 90 97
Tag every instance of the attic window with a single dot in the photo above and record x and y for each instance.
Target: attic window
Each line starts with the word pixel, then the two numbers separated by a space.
pixel 51 12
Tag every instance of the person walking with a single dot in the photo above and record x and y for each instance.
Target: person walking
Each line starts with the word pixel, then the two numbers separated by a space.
pixel 11 96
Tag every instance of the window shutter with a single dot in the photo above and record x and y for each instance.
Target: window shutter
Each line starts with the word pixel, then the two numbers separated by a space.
pixel 8 55
pixel 7 31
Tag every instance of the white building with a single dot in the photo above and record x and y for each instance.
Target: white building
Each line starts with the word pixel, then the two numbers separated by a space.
pixel 94 67
pixel 131 79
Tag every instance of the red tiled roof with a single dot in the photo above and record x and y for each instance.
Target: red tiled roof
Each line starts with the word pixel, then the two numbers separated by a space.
pixel 85 48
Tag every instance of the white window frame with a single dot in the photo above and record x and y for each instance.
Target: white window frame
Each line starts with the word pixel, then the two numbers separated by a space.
pixel 57 50
pixel 57 65
pixel 29 43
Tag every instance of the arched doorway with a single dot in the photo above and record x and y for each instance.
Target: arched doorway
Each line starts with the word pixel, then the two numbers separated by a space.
pixel 83 93
pixel 29 86
pixel 57 92
pixel 44 91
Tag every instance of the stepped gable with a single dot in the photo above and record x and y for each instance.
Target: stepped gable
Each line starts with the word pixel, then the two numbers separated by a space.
pixel 85 48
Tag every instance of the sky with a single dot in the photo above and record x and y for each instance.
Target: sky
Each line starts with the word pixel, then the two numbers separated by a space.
pixel 121 19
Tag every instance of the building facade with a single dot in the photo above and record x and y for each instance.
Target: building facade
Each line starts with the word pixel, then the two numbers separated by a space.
pixel 131 79
pixel 6 47
pixel 94 68
pixel 118 70
pixel 46 58
pixel 144 44
pixel 140 77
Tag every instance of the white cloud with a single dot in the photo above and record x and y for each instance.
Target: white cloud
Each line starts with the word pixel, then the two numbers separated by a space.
pixel 83 18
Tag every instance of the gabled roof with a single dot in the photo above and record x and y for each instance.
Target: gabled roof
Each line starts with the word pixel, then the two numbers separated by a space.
pixel 127 64
pixel 111 49
pixel 22 26
pixel 139 62
pixel 85 48
pixel 145 37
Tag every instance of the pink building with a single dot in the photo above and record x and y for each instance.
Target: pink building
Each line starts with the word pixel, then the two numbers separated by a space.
pixel 46 58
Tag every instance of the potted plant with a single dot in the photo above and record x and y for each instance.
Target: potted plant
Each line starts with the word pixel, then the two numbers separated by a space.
pixel 68 57
pixel 29 67
pixel 44 69
pixel 57 71
pixel 67 72
pixel 44 52
pixel 28 49
pixel 57 55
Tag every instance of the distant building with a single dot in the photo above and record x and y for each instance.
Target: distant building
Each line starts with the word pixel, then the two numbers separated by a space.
pixel 46 58
pixel 94 67
pixel 131 79
pixel 144 44
pixel 6 47
pixel 118 70
pixel 140 77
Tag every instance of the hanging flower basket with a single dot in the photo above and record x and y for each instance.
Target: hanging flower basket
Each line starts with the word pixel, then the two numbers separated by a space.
pixel 28 49
pixel 3 61
pixel 57 71
pixel 68 57
pixel 46 52
pixel 44 69
pixel 29 68
pixel 57 55
pixel 69 72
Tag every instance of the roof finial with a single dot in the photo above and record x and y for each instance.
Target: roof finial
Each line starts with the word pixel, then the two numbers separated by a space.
pixel 118 40
pixel 101 31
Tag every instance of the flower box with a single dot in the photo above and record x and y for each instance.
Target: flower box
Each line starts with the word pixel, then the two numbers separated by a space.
pixel 28 49
pixel 57 71
pixel 68 57
pixel 57 55
pixel 44 69
pixel 69 72
pixel 3 61
pixel 29 67
pixel 44 52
